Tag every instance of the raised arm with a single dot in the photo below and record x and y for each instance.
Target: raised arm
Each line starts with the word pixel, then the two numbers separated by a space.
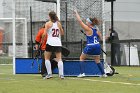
pixel 84 26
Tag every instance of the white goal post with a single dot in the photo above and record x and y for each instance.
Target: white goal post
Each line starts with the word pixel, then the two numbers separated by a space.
pixel 14 43
pixel 15 38
pixel 18 22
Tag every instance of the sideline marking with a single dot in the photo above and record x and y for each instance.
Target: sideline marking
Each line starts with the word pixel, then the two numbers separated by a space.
pixel 2 73
pixel 6 64
pixel 6 79
pixel 17 81
pixel 124 83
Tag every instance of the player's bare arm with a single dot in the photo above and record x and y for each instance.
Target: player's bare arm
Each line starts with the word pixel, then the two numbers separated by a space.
pixel 61 29
pixel 47 26
pixel 84 26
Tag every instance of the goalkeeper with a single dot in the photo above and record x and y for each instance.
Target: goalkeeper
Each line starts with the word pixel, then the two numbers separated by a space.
pixel 41 46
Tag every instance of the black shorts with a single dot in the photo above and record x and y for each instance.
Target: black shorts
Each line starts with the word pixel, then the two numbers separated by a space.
pixel 53 49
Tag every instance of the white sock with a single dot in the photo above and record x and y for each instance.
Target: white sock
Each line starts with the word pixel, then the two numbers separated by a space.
pixel 60 68
pixel 48 66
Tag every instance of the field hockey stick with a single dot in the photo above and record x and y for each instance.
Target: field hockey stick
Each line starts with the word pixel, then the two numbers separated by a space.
pixel 36 54
pixel 36 57
pixel 83 32
pixel 65 51
pixel 33 60
pixel 37 60
pixel 85 35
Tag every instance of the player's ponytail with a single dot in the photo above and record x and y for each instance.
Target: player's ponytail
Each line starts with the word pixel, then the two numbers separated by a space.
pixel 53 16
pixel 95 21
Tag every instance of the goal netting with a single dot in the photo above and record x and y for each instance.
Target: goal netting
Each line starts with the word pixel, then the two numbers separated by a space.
pixel 86 9
pixel 6 40
pixel 40 10
pixel 15 27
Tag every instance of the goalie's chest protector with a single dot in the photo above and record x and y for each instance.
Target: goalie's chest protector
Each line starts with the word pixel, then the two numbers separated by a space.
pixel 54 36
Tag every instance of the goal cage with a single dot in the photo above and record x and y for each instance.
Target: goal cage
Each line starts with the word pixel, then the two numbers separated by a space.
pixel 15 32
pixel 7 42
pixel 21 17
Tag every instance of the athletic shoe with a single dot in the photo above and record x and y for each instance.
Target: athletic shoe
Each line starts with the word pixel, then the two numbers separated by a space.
pixel 51 76
pixel 48 76
pixel 81 75
pixel 104 75
pixel 62 76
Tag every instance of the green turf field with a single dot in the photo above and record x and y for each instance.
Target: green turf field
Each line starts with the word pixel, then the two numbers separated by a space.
pixel 127 81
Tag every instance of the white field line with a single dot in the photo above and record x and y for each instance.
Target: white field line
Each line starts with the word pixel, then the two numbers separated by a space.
pixel 2 73
pixel 103 81
pixel 7 79
pixel 17 81
pixel 5 64
pixel 124 83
